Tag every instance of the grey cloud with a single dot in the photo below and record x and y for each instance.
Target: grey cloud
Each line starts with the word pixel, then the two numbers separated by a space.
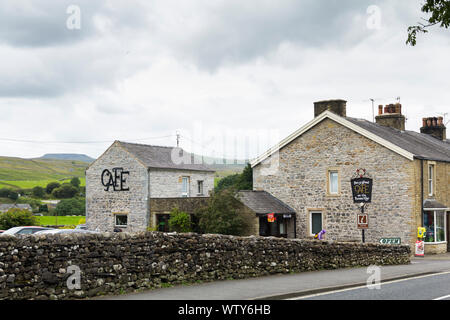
pixel 27 23
pixel 237 33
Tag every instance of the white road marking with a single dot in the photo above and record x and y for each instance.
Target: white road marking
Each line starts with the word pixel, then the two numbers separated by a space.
pixel 365 286
pixel 442 298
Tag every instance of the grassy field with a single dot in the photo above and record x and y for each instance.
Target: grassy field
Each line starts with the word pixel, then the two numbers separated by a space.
pixel 29 184
pixel 63 220
pixel 27 173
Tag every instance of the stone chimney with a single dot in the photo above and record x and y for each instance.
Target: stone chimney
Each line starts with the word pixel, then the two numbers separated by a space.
pixel 435 127
pixel 391 116
pixel 336 106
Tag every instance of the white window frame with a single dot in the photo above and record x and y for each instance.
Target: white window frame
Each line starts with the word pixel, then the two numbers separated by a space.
pixel 310 220
pixel 200 187
pixel 435 229
pixel 185 192
pixel 431 178
pixel 330 172
pixel 115 220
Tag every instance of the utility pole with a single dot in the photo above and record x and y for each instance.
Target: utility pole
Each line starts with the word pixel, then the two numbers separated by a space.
pixel 178 139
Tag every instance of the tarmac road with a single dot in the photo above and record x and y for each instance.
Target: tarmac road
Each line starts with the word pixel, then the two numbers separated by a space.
pixel 427 287
pixel 311 283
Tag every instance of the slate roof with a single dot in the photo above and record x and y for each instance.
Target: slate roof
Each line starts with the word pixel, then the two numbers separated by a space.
pixel 262 203
pixel 433 204
pixel 5 207
pixel 161 157
pixel 423 146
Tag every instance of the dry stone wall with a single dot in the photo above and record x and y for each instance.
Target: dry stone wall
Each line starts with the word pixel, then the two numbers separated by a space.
pixel 40 266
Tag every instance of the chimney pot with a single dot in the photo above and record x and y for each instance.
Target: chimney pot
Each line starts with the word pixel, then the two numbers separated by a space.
pixel 392 116
pixel 434 127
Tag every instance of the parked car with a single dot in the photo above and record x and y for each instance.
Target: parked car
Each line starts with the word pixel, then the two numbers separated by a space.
pixel 24 230
pixel 65 231
pixel 81 226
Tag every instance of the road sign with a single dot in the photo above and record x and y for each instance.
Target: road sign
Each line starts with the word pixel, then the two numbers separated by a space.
pixel 363 221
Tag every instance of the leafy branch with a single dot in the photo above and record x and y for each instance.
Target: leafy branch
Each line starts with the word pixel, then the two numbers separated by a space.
pixel 440 15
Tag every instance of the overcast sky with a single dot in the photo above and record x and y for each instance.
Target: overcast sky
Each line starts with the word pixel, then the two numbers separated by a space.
pixel 214 71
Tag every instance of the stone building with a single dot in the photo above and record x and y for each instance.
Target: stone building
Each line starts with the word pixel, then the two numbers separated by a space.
pixel 311 172
pixel 135 186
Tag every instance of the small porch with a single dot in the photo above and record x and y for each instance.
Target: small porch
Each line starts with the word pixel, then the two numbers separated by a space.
pixel 275 218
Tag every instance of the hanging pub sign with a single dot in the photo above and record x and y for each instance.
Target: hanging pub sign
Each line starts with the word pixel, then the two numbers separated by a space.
pixel 362 187
pixel 271 217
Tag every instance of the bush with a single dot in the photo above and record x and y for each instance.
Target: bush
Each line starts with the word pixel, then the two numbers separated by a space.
pixel 16 218
pixel 65 191
pixel 224 215
pixel 71 207
pixel 38 192
pixel 51 186
pixel 8 193
pixel 180 221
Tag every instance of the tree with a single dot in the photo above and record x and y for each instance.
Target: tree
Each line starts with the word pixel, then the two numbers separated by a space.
pixel 224 214
pixel 71 207
pixel 16 218
pixel 8 193
pixel 51 186
pixel 243 181
pixel 38 192
pixel 75 182
pixel 65 191
pixel 440 15
pixel 180 221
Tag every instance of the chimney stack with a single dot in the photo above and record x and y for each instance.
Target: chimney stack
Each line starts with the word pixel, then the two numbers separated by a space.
pixel 435 127
pixel 336 106
pixel 392 116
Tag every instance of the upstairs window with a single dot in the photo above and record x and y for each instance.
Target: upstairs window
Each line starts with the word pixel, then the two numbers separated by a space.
pixel 431 180
pixel 185 187
pixel 200 187
pixel 333 188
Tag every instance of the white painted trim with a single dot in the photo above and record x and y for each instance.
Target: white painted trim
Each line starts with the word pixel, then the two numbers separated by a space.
pixel 340 120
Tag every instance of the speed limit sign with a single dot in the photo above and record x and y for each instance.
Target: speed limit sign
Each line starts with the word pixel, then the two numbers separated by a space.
pixel 363 221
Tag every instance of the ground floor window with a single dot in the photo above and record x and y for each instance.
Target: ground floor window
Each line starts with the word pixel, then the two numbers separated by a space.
pixel 121 220
pixel 435 223
pixel 315 222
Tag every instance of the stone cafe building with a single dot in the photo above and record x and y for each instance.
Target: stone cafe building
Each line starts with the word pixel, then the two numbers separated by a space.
pixel 304 182
pixel 310 173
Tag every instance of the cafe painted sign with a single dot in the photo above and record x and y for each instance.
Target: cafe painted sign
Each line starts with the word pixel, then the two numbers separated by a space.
pixel 116 178
pixel 362 190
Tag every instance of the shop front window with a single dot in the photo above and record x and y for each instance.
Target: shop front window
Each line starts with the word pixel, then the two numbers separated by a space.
pixel 434 222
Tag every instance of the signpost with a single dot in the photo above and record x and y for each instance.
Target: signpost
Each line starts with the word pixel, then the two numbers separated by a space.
pixel 362 194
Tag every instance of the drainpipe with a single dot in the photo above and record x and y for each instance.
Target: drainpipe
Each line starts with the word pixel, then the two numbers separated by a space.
pixel 421 191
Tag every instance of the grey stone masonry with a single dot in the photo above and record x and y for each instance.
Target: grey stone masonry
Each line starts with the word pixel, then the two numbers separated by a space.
pixel 119 185
pixel 103 205
pixel 301 182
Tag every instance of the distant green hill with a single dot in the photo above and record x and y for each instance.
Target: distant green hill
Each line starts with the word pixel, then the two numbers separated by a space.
pixel 68 156
pixel 26 173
